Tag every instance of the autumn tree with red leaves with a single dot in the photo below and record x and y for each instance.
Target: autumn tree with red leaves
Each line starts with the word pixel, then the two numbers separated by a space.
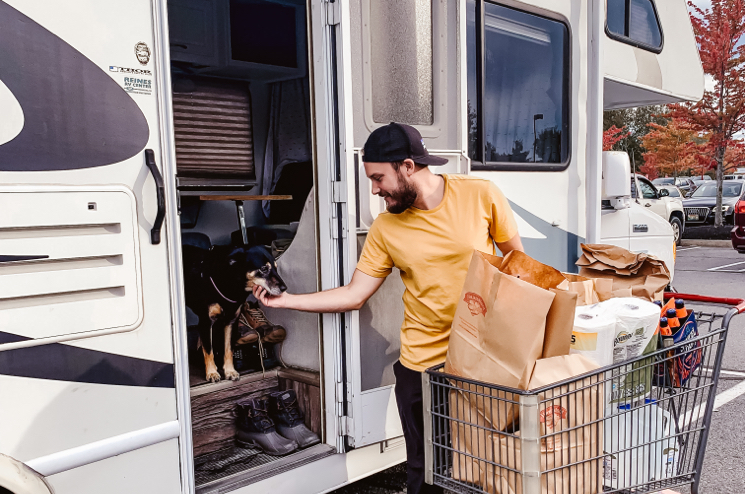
pixel 670 148
pixel 721 112
pixel 612 136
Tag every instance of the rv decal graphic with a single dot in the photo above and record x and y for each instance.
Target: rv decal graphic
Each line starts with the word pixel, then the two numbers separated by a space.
pixel 74 114
pixel 142 52
pixel 62 362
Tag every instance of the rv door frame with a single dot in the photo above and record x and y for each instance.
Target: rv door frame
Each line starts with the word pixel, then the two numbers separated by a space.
pixel 163 86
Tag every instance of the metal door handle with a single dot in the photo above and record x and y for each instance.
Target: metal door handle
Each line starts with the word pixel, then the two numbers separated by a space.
pixel 648 205
pixel 161 191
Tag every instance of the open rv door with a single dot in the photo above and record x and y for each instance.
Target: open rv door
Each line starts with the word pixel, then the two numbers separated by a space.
pixel 396 61
pixel 86 338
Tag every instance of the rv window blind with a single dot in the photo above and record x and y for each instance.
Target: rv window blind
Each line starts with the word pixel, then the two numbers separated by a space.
pixel 212 122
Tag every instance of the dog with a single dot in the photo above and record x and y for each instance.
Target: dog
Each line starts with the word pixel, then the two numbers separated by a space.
pixel 216 284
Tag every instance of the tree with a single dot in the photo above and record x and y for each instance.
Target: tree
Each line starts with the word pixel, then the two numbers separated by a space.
pixel 612 136
pixel 721 112
pixel 670 148
pixel 636 121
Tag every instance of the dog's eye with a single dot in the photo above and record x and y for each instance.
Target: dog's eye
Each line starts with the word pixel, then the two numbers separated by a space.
pixel 264 270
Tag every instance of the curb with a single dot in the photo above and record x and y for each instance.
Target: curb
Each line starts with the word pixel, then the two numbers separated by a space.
pixel 693 242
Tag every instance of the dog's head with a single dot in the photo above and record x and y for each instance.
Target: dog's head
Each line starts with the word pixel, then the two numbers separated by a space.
pixel 258 267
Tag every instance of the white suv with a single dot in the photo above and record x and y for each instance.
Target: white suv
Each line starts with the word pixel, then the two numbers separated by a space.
pixel 660 202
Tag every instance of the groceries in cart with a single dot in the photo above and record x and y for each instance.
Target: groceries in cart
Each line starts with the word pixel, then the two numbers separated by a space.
pixel 524 325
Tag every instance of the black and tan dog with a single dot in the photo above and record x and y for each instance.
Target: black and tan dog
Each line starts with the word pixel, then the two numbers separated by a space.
pixel 217 283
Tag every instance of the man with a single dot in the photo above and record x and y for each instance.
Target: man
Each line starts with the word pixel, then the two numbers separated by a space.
pixel 433 224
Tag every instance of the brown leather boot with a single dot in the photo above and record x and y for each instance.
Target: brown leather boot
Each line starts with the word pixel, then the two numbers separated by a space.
pixel 255 319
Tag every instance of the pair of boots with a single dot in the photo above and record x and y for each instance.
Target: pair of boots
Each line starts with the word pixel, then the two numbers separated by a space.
pixel 274 424
pixel 253 325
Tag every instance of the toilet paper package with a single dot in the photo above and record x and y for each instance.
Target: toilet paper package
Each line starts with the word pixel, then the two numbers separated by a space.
pixel 593 334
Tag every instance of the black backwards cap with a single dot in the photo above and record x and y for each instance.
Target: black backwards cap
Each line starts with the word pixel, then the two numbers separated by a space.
pixel 397 142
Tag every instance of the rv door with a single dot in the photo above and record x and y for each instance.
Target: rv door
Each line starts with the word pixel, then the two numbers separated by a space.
pixel 396 61
pixel 86 339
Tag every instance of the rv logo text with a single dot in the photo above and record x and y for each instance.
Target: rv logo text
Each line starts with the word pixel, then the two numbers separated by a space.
pixel 138 86
pixel 126 70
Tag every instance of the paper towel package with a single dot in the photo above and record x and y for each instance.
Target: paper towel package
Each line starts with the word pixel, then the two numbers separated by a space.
pixel 593 334
pixel 637 321
pixel 636 326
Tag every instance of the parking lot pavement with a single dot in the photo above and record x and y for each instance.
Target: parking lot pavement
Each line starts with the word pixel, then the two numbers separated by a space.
pixel 702 270
pixel 720 272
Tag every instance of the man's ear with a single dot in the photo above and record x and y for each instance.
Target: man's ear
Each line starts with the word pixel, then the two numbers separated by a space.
pixel 409 167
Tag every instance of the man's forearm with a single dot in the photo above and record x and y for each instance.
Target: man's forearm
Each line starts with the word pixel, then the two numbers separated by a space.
pixel 340 299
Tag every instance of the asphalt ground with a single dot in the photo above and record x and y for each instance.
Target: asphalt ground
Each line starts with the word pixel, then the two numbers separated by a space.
pixel 704 270
pixel 720 272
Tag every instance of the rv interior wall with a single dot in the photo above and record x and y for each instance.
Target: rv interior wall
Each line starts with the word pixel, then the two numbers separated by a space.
pixel 228 62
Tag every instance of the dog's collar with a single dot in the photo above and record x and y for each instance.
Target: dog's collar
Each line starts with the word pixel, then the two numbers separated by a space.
pixel 220 293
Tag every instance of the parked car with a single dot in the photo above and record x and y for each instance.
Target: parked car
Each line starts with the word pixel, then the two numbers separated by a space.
pixel 738 232
pixel 673 190
pixel 734 177
pixel 660 202
pixel 699 206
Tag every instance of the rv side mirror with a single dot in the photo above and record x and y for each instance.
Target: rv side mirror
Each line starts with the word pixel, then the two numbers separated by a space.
pixel 664 192
pixel 616 181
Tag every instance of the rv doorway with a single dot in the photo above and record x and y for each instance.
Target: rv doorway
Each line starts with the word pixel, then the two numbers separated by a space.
pixel 245 176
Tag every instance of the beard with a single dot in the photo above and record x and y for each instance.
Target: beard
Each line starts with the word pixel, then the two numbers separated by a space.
pixel 403 197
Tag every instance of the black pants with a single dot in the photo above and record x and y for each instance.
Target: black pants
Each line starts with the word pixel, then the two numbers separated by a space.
pixel 409 398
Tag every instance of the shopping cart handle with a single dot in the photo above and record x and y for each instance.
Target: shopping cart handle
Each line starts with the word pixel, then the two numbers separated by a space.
pixel 737 303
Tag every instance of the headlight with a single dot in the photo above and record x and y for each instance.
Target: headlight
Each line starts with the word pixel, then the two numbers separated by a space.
pixel 725 209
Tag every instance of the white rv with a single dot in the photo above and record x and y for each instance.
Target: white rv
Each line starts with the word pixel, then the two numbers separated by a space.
pixel 130 127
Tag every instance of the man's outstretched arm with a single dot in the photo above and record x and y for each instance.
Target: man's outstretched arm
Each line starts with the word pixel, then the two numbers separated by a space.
pixel 345 298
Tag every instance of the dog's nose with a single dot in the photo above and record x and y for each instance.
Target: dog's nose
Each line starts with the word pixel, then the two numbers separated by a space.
pixel 282 287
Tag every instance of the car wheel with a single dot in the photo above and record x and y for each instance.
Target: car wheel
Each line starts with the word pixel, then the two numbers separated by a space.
pixel 677 229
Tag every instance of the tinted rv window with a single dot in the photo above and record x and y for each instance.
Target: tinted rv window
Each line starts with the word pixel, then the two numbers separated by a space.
pixel 517 89
pixel 634 22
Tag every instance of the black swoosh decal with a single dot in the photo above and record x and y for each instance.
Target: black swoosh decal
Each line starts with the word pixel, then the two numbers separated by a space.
pixel 76 116
pixel 60 362
pixel 21 258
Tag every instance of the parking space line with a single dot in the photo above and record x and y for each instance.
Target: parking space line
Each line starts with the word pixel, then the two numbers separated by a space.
pixel 683 249
pixel 722 399
pixel 724 372
pixel 727 266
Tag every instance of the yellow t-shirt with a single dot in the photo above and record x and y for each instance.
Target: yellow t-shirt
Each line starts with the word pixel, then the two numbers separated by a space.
pixel 433 249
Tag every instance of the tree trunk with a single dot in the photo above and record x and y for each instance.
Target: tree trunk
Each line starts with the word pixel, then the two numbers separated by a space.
pixel 718 216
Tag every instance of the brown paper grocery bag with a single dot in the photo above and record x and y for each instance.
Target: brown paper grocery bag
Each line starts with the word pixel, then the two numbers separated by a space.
pixel 640 275
pixel 498 327
pixel 570 420
pixel 560 317
pixel 589 290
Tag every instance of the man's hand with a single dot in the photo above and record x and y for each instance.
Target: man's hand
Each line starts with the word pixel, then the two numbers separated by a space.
pixel 278 302
pixel 342 299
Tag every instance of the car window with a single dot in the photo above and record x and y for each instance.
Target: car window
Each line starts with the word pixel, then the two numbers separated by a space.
pixel 663 181
pixel 648 191
pixel 673 192
pixel 633 189
pixel 710 190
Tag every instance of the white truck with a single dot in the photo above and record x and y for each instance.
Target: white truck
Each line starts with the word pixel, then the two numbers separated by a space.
pixel 119 115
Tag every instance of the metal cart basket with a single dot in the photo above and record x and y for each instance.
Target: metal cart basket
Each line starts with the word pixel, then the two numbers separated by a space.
pixel 579 435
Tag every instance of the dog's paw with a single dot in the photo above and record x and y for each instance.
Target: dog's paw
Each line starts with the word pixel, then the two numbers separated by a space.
pixel 213 376
pixel 232 374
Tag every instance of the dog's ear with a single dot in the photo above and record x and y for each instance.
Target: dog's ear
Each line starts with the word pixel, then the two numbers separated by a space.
pixel 235 256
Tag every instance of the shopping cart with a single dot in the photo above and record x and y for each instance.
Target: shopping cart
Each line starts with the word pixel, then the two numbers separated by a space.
pixel 577 436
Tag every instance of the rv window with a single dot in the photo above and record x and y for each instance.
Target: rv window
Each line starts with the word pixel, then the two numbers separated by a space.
pixel 517 89
pixel 401 60
pixel 634 22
